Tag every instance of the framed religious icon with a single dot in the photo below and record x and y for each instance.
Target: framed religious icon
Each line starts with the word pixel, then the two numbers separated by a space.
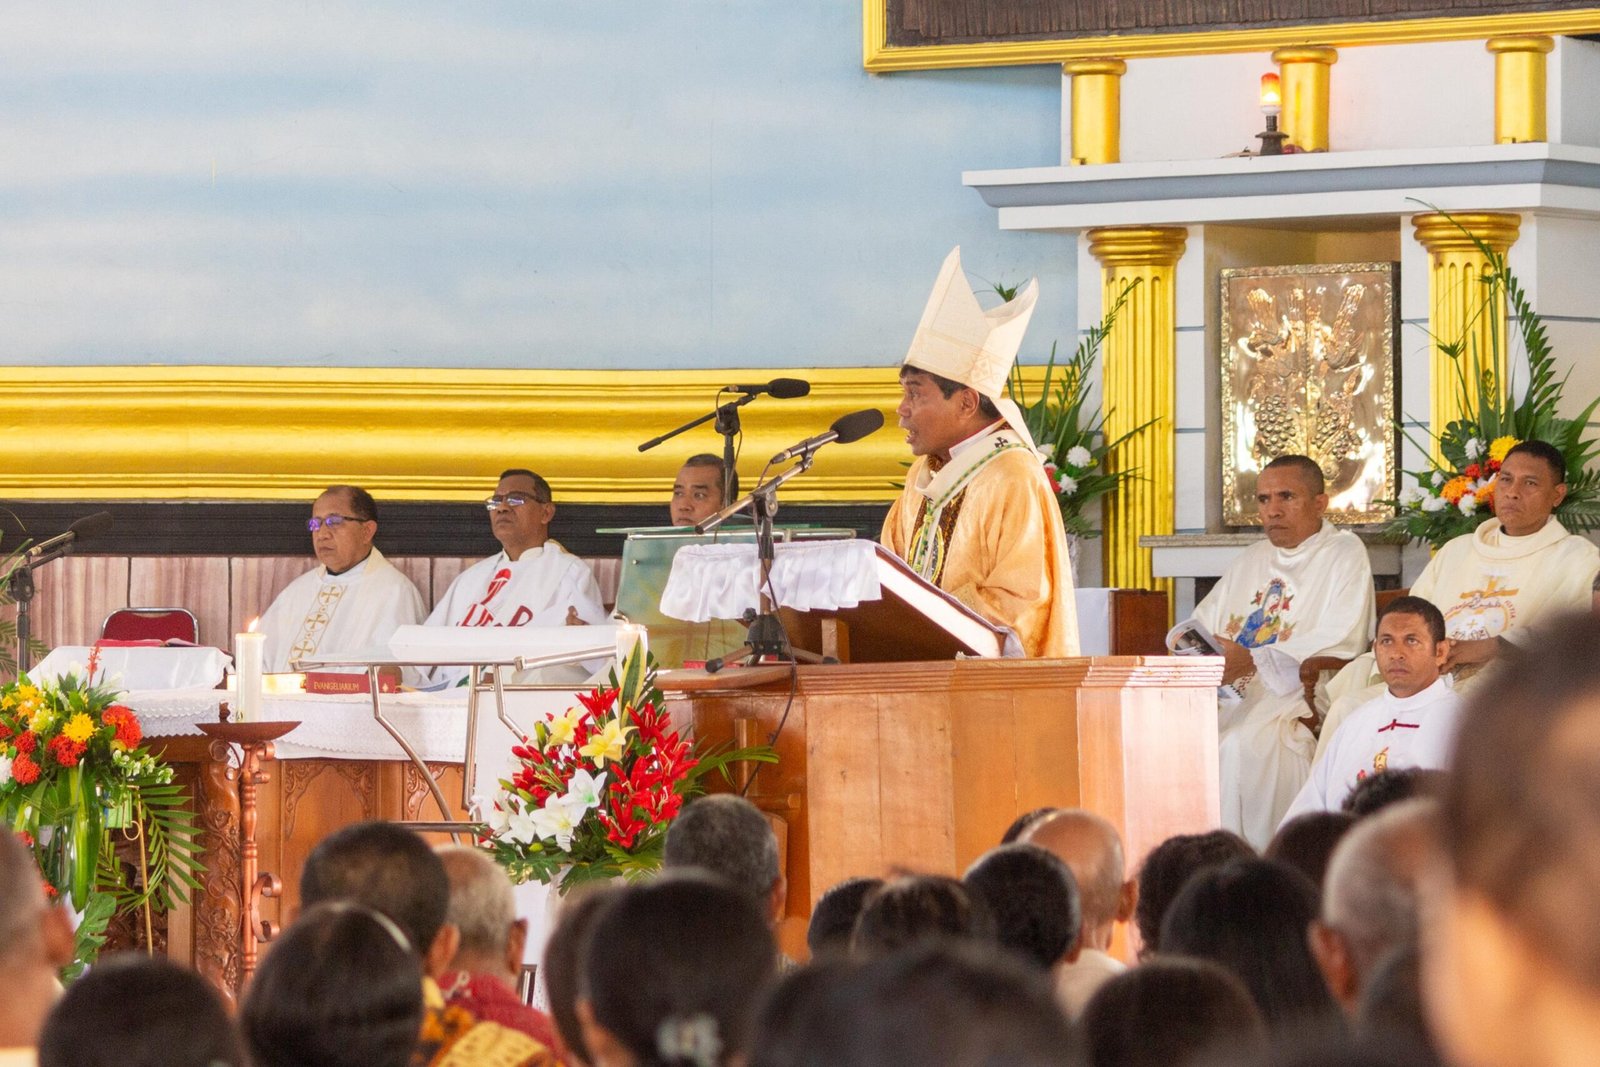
pixel 1308 367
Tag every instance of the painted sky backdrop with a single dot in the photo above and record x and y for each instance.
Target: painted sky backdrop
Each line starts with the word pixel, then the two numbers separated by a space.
pixel 697 183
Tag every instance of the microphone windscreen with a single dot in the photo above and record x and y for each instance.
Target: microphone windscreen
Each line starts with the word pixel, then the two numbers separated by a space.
pixel 857 424
pixel 91 525
pixel 788 388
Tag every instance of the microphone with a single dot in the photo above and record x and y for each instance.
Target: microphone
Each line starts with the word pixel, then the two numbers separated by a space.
pixel 781 388
pixel 83 529
pixel 846 428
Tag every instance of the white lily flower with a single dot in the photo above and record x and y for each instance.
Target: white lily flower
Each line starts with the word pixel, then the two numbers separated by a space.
pixel 523 828
pixel 583 791
pixel 1434 503
pixel 557 819
pixel 1468 505
pixel 1079 456
pixel 498 819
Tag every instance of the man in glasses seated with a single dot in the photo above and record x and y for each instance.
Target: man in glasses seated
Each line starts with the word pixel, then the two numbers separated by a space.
pixel 532 582
pixel 353 602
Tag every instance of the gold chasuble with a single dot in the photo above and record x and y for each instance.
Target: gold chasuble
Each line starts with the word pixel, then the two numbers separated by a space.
pixel 986 529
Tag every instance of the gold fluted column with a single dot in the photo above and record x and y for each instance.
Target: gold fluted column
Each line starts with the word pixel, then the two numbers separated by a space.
pixel 1519 87
pixel 1096 109
pixel 1139 366
pixel 1306 76
pixel 1456 298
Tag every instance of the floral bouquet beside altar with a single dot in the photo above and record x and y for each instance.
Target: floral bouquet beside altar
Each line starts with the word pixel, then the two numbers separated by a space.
pixel 596 787
pixel 74 777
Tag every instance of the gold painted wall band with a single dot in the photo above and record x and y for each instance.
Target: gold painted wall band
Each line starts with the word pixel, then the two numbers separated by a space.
pixel 1306 77
pixel 1096 109
pixel 1521 106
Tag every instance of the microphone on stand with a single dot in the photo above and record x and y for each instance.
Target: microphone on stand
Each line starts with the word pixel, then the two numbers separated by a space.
pixel 845 429
pixel 781 388
pixel 81 530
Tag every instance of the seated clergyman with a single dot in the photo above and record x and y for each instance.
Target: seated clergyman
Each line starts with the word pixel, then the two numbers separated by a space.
pixel 1411 724
pixel 352 602
pixel 697 491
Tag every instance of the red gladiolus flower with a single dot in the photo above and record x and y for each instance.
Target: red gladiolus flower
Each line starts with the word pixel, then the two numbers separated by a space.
pixel 24 770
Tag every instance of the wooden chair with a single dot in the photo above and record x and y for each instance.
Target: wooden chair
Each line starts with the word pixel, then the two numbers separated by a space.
pixel 1312 670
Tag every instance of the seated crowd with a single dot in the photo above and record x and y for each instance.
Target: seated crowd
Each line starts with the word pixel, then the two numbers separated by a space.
pixel 1436 917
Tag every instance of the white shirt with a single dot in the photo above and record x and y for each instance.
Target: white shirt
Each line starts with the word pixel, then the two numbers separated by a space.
pixel 347 614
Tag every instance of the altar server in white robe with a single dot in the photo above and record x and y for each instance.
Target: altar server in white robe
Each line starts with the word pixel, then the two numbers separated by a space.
pixel 1304 591
pixel 349 605
pixel 533 581
pixel 1493 584
pixel 1412 723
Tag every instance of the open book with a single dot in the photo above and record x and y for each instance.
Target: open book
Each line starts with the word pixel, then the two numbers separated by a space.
pixel 1191 638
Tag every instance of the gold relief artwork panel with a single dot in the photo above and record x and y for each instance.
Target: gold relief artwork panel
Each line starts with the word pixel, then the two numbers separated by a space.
pixel 1308 366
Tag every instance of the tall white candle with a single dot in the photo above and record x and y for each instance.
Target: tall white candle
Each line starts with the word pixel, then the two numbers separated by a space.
pixel 630 635
pixel 248 653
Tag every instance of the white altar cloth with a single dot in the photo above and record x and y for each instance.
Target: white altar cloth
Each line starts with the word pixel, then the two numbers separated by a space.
pixel 137 667
pixel 719 581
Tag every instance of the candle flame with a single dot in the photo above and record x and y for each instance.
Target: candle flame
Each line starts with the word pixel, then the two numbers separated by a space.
pixel 252 627
pixel 1271 94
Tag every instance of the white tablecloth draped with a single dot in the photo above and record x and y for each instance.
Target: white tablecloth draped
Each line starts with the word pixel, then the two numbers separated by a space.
pixel 132 667
pixel 720 581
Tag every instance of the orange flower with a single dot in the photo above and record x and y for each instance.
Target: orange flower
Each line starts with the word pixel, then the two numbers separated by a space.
pixel 1455 489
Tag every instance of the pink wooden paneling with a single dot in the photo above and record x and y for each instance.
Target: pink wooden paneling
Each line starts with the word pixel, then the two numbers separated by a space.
pixel 445 571
pixel 606 574
pixel 420 570
pixel 199 583
pixel 255 580
pixel 75 595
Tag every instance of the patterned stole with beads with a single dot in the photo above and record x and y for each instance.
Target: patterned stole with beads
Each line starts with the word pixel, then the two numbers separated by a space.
pixel 942 498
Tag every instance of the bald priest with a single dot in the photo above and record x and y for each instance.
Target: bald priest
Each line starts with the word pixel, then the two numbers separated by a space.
pixel 978 517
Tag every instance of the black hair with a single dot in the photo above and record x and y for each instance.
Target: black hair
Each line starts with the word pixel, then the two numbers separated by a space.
pixel 919 907
pixel 1423 609
pixel 1251 916
pixel 703 459
pixel 1377 791
pixel 338 989
pixel 1304 466
pixel 541 488
pixel 1172 863
pixel 1306 842
pixel 1033 898
pixel 1390 1012
pixel 385 867
pixel 1542 450
pixel 674 969
pixel 133 1010
pixel 948 388
pixel 834 915
pixel 1021 823
pixel 359 501
pixel 563 959
pixel 1171 1012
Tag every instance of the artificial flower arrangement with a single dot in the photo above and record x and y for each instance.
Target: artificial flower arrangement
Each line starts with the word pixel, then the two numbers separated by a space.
pixel 1072 438
pixel 1455 493
pixel 73 774
pixel 597 786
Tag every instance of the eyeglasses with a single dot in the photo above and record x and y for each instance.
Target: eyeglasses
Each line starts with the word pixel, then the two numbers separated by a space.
pixel 513 500
pixel 332 522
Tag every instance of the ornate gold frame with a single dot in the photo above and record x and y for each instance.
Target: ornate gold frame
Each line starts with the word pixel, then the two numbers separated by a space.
pixel 1332 399
pixel 879 57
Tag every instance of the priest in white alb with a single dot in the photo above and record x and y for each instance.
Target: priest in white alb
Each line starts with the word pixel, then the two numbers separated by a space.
pixel 1304 591
pixel 532 581
pixel 1492 584
pixel 978 516
pixel 349 605
pixel 1412 723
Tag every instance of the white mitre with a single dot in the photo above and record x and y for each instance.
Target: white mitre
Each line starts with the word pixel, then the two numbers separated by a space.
pixel 957 339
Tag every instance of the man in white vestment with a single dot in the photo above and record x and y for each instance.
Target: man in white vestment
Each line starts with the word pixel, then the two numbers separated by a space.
pixel 1304 591
pixel 1412 723
pixel 349 605
pixel 533 581
pixel 1494 583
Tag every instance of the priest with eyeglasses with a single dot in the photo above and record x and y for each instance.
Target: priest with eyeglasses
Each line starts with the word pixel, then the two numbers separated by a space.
pixel 533 581
pixel 349 605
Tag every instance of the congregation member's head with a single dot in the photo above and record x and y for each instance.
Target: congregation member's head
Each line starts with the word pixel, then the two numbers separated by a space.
pixel 1033 900
pixel 483 909
pixel 341 987
pixel 1511 954
pixel 563 960
pixel 392 871
pixel 833 917
pixel 1020 824
pixel 1410 646
pixel 728 836
pixel 1291 497
pixel 1092 849
pixel 697 490
pixel 1370 903
pixel 956 1004
pixel 1306 842
pixel 914 908
pixel 36 941
pixel 1531 484
pixel 133 1010
pixel 1251 916
pixel 673 973
pixel 1393 786
pixel 1169 866
pixel 1390 1014
pixel 520 511
pixel 1172 1012
pixel 344 520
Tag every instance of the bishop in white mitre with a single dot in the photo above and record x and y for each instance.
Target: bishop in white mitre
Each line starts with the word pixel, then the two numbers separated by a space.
pixel 352 602
pixel 532 581
pixel 1411 723
pixel 1305 591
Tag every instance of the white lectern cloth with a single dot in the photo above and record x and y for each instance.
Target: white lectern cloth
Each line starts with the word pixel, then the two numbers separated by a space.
pixel 720 581
pixel 176 667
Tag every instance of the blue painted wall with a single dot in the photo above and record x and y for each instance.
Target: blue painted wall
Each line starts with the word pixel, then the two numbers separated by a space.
pixel 512 184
